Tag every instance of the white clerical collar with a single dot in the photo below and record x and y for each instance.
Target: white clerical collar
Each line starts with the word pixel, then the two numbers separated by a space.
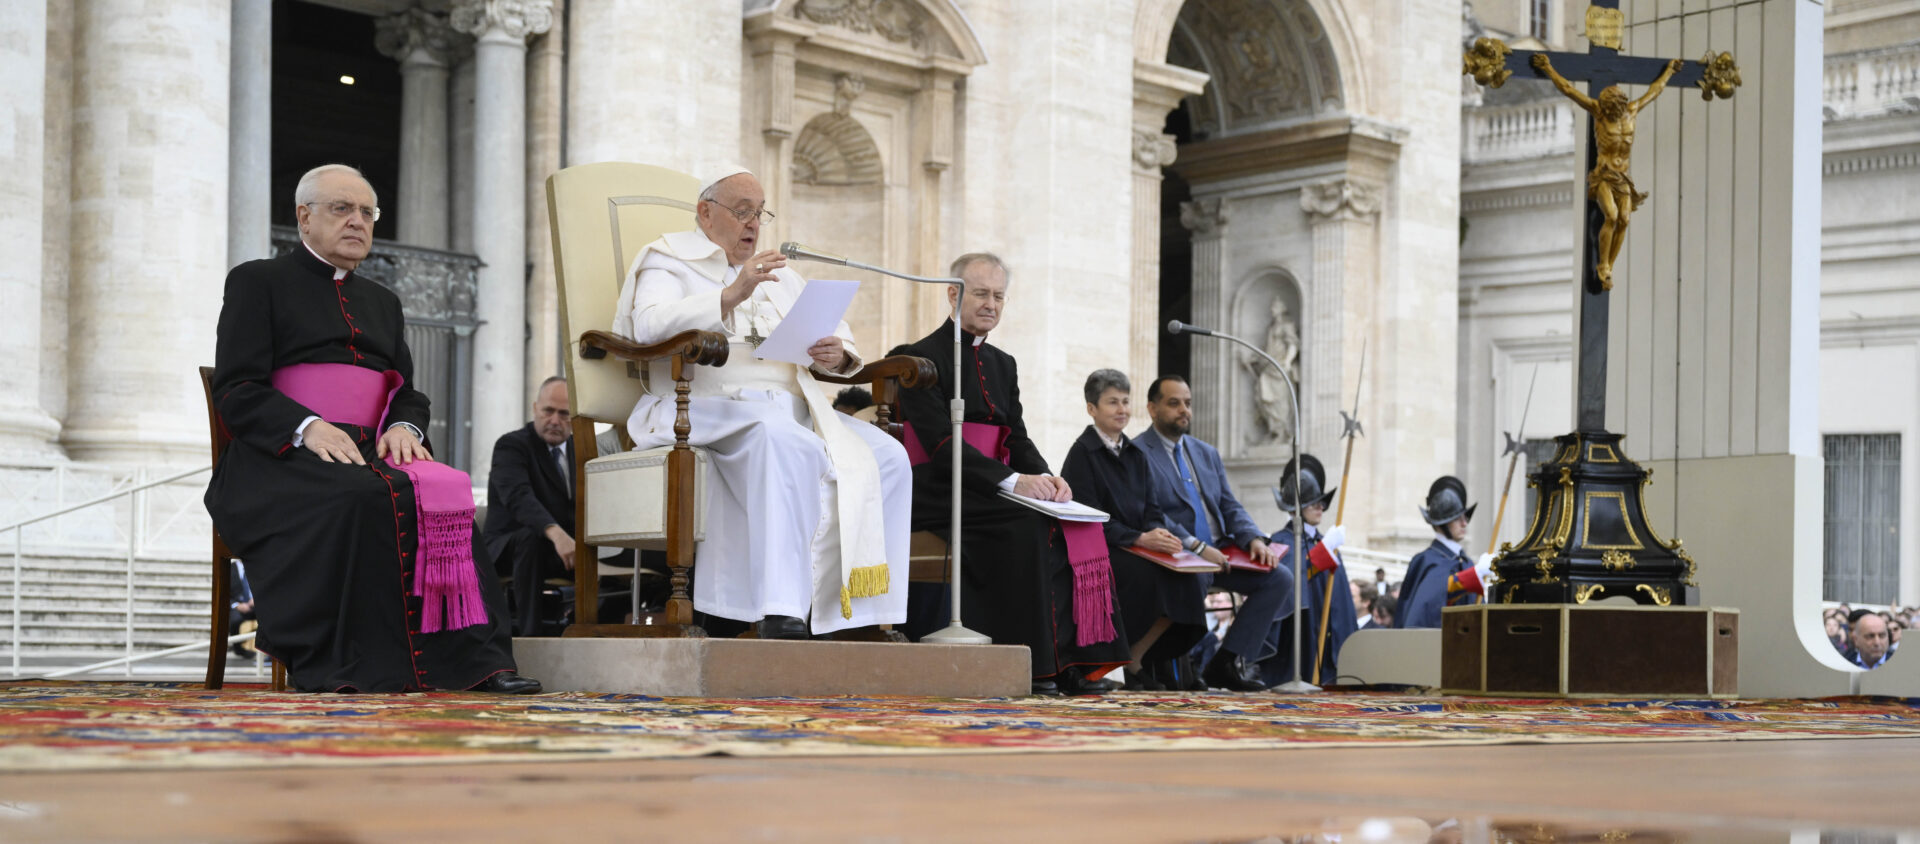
pixel 337 272
pixel 1450 545
pixel 699 252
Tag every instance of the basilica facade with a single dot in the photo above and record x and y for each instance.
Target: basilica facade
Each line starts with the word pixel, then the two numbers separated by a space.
pixel 1315 176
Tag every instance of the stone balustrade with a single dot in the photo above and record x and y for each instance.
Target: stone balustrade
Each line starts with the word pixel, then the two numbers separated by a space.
pixel 1870 83
pixel 1517 132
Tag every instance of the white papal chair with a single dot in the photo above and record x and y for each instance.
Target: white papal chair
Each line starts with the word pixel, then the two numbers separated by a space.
pixel 601 215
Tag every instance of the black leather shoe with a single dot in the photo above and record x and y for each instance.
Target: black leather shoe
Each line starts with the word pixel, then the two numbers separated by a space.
pixel 509 683
pixel 1074 682
pixel 1046 687
pixel 782 627
pixel 1228 671
pixel 1143 681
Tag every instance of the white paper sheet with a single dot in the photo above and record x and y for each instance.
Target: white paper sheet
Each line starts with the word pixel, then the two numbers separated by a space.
pixel 814 315
pixel 1066 511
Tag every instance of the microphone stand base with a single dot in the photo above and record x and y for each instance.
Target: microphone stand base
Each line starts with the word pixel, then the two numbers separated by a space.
pixel 955 634
pixel 1296 687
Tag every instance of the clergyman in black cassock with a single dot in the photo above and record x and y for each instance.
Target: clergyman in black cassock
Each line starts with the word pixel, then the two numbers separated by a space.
pixel 330 542
pixel 1017 585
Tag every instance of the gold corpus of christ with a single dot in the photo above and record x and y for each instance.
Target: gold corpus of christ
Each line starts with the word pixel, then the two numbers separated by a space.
pixel 1609 186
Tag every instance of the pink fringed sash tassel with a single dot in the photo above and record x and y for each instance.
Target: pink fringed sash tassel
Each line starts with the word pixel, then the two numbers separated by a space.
pixel 443 576
pixel 1086 541
pixel 1092 582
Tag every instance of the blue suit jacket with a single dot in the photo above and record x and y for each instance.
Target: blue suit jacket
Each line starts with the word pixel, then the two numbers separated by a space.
pixel 1210 475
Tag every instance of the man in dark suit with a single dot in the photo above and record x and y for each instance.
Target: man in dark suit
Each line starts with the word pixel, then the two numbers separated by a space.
pixel 529 530
pixel 1190 486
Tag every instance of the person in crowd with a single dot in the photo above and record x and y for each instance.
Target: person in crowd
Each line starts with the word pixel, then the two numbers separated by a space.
pixel 1029 579
pixel 1869 639
pixel 1835 624
pixel 1162 609
pixel 1442 575
pixel 857 403
pixel 359 546
pixel 529 533
pixel 812 505
pixel 1190 486
pixel 1382 611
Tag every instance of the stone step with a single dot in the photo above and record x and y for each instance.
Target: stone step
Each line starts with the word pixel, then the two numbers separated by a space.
pixel 96 592
pixel 109 565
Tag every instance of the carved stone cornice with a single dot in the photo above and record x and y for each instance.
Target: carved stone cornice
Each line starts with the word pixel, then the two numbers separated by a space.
pixel 416 35
pixel 891 19
pixel 1205 217
pixel 513 19
pixel 1339 199
pixel 1153 150
pixel 1359 146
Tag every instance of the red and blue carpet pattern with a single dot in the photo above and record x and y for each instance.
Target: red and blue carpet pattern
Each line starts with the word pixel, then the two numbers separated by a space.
pixel 47 725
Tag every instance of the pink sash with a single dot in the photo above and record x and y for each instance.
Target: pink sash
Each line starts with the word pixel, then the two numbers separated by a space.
pixel 1086 541
pixel 445 575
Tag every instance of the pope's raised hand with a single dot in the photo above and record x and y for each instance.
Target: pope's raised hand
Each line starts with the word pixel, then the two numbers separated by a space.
pixel 758 269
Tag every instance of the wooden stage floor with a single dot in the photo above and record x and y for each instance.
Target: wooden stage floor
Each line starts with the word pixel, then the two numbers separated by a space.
pixel 1851 790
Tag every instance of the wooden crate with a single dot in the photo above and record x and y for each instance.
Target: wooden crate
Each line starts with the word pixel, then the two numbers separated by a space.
pixel 1572 650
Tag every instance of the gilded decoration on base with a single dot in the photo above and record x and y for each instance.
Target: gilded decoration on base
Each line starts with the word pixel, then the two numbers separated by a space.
pixel 1718 76
pixel 1692 567
pixel 1545 566
pixel 1616 561
pixel 1487 61
pixel 1659 593
pixel 1582 593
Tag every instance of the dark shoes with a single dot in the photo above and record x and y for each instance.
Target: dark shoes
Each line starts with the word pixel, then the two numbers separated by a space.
pixel 1228 671
pixel 782 627
pixel 509 683
pixel 1143 681
pixel 1074 682
pixel 1045 687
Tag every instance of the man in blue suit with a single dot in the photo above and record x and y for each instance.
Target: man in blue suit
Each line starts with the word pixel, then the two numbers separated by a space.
pixel 1190 486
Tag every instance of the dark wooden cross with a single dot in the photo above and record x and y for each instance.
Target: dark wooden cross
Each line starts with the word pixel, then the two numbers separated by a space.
pixel 1491 62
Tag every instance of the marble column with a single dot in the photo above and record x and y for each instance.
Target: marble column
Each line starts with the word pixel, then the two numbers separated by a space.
pixel 149 233
pixel 56 211
pixel 500 28
pixel 25 429
pixel 1157 90
pixel 1342 213
pixel 1206 218
pixel 459 200
pixel 546 75
pixel 250 133
pixel 420 40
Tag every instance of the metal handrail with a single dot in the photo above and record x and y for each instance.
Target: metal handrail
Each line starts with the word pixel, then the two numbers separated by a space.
pixel 130 660
pixel 106 498
pixel 133 547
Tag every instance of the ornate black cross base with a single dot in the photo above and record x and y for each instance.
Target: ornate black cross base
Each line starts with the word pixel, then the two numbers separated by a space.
pixel 1590 538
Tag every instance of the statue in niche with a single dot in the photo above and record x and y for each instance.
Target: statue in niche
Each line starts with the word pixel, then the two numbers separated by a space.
pixel 1270 398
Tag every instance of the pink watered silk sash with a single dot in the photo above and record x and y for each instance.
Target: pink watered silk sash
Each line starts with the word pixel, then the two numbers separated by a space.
pixel 444 576
pixel 1086 541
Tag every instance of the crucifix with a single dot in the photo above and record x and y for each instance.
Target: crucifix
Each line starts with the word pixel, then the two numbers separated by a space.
pixel 1590 484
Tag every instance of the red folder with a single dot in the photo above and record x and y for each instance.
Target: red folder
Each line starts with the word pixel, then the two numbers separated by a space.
pixel 1185 562
pixel 1239 559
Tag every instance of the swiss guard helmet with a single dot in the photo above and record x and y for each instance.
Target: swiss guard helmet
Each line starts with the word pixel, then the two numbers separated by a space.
pixel 1312 481
pixel 1446 501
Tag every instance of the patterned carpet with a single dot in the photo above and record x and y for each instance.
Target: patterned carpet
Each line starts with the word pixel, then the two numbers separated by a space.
pixel 47 725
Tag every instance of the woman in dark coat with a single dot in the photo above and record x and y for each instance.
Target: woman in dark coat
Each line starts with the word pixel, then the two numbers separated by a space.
pixel 1161 609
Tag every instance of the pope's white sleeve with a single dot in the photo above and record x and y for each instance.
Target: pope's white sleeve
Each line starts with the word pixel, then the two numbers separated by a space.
pixel 662 308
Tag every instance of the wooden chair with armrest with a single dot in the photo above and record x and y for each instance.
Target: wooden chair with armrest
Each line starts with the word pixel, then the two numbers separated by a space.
pixel 601 215
pixel 223 564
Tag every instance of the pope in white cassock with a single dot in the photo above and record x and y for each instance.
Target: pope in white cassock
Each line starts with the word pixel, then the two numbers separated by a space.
pixel 807 508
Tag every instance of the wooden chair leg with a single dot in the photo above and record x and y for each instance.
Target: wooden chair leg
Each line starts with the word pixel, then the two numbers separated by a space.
pixel 279 676
pixel 217 632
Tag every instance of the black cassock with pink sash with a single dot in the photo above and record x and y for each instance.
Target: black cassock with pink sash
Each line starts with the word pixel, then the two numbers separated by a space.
pixel 363 576
pixel 1019 580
